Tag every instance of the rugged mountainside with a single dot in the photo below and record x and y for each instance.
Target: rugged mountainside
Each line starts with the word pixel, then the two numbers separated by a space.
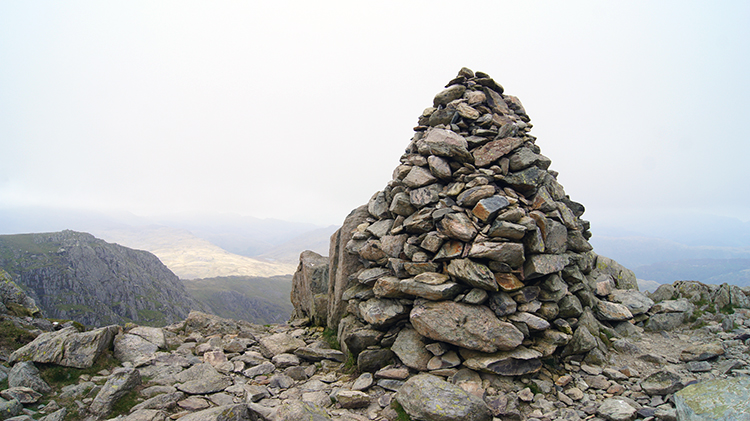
pixel 254 299
pixel 75 276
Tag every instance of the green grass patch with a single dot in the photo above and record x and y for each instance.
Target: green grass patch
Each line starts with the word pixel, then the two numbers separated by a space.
pixel 12 336
pixel 122 406
pixel 698 324
pixel 402 415
pixel 330 336
pixel 728 309
pixel 18 310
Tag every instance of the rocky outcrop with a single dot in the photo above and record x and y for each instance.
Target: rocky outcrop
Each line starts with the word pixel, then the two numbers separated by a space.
pixel 74 276
pixel 13 300
pixel 310 288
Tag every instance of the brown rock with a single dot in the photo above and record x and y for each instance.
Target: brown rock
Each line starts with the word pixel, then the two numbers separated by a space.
pixel 457 226
pixel 490 152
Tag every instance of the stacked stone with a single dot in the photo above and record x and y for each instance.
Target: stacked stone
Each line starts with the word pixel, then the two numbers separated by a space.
pixel 473 256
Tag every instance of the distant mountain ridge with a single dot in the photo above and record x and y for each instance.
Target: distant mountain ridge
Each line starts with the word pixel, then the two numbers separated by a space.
pixel 73 275
pixel 190 257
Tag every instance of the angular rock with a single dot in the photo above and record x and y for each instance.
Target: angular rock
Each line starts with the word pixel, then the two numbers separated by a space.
pixel 583 341
pixel 410 349
pixel 66 347
pixel 382 312
pixel 530 320
pixel 350 399
pixel 624 277
pixel 614 409
pixel 446 143
pixel 444 291
pixel 401 205
pixel 155 335
pixel 162 401
pixel 470 197
pixel 298 410
pixel 502 304
pixel 419 222
pixel 511 254
pixel 543 264
pixel 279 343
pixel 681 305
pixel 702 352
pixel 25 374
pixel 507 229
pixel 133 348
pixel 526 180
pixel 309 281
pixel 432 278
pixel 665 321
pixel 419 177
pixel 378 205
pixel 467 326
pixel 426 195
pixel 661 383
pixel 341 265
pixel 208 324
pixel 201 379
pixel 517 362
pixel 428 397
pixel 451 93
pixel 10 408
pixel 388 287
pixel 508 282
pixel 122 381
pixel 606 310
pixel 25 395
pixel 439 167
pixel 371 360
pixel 311 353
pixel 457 226
pixel 494 150
pixel 636 301
pixel 472 273
pixel 449 250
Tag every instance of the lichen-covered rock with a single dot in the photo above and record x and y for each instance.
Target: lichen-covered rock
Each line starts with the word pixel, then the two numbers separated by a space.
pixel 122 381
pixel 66 347
pixel 427 397
pixel 25 374
pixel 714 400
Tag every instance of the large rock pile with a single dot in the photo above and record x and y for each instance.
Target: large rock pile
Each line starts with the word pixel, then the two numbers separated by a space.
pixel 473 255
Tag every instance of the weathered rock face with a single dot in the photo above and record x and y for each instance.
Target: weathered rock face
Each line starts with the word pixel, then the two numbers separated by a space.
pixel 310 288
pixel 13 300
pixel 475 246
pixel 75 276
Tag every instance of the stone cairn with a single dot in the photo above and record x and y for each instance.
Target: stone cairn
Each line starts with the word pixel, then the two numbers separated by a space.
pixel 472 256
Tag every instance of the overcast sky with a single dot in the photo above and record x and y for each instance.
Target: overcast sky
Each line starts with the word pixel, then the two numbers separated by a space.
pixel 301 110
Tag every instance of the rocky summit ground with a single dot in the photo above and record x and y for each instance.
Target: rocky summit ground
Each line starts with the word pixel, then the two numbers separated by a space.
pixel 208 368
